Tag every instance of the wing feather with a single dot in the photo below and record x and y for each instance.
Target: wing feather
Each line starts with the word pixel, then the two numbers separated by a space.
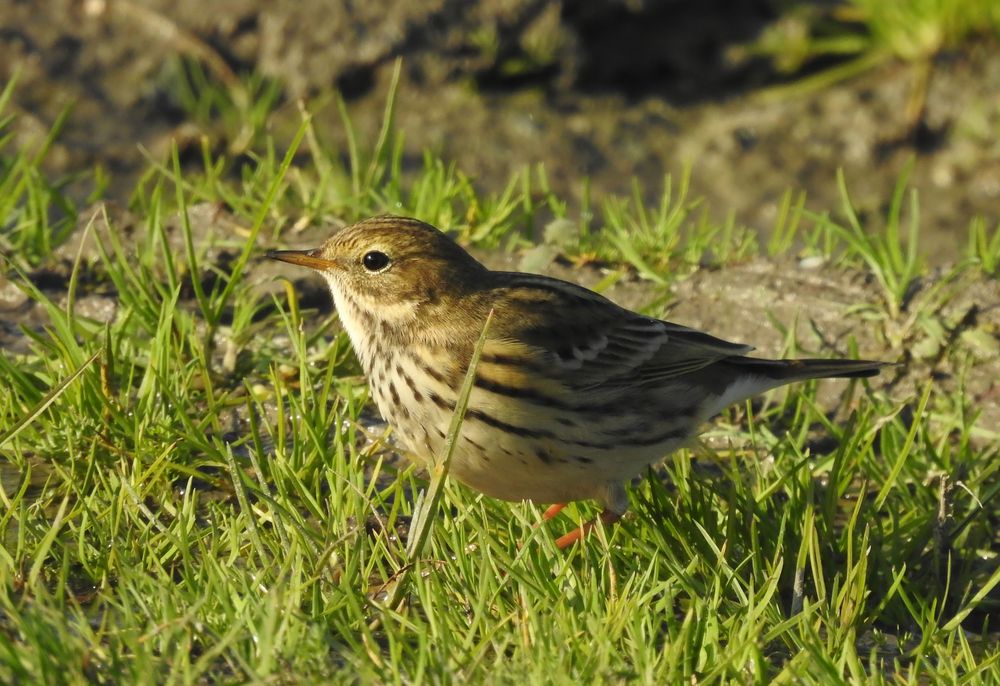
pixel 586 341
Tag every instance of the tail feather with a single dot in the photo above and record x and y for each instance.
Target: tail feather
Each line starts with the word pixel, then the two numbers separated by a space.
pixel 787 371
pixel 749 376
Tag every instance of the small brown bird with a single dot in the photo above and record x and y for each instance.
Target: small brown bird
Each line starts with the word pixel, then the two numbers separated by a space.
pixel 573 394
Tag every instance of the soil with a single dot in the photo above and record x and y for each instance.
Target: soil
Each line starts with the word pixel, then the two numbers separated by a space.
pixel 610 90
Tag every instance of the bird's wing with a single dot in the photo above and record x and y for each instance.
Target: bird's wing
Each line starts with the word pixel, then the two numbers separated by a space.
pixel 586 341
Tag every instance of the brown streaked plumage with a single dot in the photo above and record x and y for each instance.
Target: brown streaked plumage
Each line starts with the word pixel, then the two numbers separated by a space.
pixel 573 396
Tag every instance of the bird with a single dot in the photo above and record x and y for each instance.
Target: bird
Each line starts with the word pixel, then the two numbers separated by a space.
pixel 573 395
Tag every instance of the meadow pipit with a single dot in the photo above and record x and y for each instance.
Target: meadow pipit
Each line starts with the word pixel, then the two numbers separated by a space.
pixel 573 394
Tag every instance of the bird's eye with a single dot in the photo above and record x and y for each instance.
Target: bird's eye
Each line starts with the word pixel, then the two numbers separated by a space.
pixel 375 261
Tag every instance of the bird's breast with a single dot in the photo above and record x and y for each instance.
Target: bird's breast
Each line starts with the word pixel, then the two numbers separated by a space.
pixel 524 436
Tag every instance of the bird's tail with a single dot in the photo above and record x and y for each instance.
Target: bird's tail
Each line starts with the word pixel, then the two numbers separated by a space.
pixel 749 376
pixel 788 371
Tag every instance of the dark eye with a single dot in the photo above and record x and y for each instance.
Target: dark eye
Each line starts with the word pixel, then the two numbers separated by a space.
pixel 375 261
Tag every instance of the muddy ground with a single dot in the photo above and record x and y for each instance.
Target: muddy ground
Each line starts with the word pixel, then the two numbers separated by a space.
pixel 608 90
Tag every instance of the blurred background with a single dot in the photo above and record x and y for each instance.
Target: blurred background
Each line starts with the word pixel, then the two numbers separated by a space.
pixel 757 97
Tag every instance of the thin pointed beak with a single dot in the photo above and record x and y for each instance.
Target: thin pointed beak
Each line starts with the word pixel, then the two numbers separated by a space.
pixel 303 258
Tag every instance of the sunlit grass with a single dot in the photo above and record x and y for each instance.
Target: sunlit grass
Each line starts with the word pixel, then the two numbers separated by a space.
pixel 858 35
pixel 35 214
pixel 192 490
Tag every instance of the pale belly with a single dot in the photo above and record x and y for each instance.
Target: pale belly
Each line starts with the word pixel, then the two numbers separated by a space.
pixel 516 445
pixel 508 451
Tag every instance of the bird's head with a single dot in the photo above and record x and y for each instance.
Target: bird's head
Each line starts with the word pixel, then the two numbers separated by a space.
pixel 391 269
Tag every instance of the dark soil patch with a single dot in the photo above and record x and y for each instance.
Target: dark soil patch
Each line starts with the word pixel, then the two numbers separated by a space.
pixel 609 90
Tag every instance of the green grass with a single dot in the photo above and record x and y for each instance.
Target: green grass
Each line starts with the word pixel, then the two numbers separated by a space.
pixel 910 30
pixel 858 35
pixel 36 215
pixel 193 491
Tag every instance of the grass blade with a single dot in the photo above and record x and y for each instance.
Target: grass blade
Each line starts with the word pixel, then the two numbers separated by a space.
pixel 425 514
pixel 49 398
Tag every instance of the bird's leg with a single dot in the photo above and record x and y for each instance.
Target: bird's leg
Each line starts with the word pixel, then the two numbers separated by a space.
pixel 566 540
pixel 550 512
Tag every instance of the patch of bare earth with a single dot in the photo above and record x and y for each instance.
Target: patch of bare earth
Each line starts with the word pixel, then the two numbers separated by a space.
pixel 608 90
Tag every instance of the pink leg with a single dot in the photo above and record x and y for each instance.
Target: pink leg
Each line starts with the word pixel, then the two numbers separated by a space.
pixel 575 535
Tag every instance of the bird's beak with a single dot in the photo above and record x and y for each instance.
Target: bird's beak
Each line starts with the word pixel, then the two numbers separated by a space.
pixel 303 258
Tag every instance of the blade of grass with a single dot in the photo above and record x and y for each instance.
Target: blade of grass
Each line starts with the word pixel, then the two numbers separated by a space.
pixel 424 515
pixel 956 621
pixel 192 257
pixel 258 221
pixel 42 551
pixel 376 168
pixel 49 398
pixel 904 451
